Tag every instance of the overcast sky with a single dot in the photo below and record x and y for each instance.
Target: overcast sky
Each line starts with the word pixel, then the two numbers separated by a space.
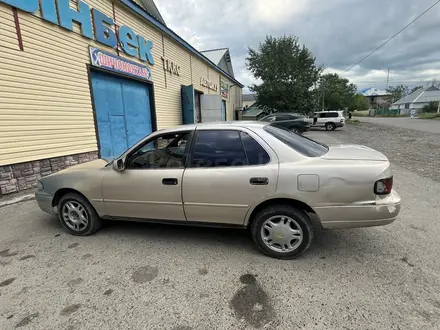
pixel 338 32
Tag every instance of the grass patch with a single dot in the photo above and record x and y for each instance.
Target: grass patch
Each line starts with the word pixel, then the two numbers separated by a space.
pixel 430 116
pixel 364 113
pixel 353 121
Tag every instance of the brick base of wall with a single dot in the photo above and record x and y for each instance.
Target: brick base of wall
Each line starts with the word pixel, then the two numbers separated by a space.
pixel 18 177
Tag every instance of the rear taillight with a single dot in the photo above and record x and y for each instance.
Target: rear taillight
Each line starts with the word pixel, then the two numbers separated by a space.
pixel 384 186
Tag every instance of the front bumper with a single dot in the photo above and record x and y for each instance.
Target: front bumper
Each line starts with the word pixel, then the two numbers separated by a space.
pixel 380 212
pixel 44 201
pixel 340 124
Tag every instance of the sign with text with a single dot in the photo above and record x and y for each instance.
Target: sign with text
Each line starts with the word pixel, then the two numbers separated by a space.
pixel 94 25
pixel 108 61
pixel 170 66
pixel 208 84
pixel 224 88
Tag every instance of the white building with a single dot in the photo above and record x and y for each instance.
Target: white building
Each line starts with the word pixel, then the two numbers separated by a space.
pixel 417 100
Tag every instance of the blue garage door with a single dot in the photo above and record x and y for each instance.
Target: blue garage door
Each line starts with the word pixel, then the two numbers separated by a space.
pixel 122 112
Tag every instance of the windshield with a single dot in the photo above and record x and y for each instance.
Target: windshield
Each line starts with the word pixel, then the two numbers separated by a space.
pixel 303 145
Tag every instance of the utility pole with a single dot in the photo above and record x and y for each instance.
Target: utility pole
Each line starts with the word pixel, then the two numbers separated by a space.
pixel 388 78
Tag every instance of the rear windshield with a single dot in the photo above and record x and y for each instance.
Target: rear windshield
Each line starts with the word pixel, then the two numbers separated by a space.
pixel 303 145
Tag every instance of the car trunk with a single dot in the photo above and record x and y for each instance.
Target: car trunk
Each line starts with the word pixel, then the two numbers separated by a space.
pixel 353 152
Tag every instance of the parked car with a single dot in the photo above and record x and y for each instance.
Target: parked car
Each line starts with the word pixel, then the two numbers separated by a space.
pixel 233 174
pixel 297 123
pixel 328 119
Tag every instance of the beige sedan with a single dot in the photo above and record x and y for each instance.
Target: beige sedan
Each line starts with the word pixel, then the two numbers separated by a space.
pixel 234 174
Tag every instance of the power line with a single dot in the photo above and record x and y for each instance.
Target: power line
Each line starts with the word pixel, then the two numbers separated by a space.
pixel 391 82
pixel 395 35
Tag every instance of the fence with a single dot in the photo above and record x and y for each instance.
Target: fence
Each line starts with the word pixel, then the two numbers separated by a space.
pixel 385 112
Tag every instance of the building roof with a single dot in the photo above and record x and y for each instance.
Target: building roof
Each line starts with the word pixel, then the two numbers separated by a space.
pixel 151 8
pixel 249 97
pixel 217 55
pixel 140 10
pixel 374 92
pixel 422 95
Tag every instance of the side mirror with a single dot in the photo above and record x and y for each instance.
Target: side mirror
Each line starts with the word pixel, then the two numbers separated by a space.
pixel 119 165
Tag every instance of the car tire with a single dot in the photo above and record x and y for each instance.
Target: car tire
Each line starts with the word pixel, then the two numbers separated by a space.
pixel 77 215
pixel 296 130
pixel 297 220
pixel 330 126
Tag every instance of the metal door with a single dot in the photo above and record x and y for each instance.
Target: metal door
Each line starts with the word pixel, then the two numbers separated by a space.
pixel 223 110
pixel 188 104
pixel 211 108
pixel 123 113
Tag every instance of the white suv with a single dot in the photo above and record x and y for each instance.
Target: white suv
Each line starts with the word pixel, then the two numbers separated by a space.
pixel 328 119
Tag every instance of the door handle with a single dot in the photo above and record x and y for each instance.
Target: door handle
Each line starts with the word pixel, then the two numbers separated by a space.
pixel 170 181
pixel 259 181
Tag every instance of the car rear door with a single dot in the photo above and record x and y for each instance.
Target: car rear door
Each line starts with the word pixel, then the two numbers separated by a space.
pixel 228 171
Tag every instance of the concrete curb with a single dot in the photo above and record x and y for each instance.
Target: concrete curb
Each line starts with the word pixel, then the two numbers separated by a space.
pixel 16 200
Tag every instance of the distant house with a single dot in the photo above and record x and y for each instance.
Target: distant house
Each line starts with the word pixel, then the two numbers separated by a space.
pixel 377 98
pixel 248 100
pixel 254 112
pixel 417 99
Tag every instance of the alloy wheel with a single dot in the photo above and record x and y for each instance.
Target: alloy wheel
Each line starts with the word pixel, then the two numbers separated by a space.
pixel 281 234
pixel 75 216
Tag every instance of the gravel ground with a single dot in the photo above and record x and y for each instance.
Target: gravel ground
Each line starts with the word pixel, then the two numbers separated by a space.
pixel 144 276
pixel 413 150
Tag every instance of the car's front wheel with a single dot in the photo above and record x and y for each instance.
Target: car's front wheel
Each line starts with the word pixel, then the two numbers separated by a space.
pixel 77 215
pixel 282 231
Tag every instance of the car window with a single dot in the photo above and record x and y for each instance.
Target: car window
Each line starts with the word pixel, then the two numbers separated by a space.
pixel 322 115
pixel 163 152
pixel 303 145
pixel 218 149
pixel 255 153
pixel 268 118
pixel 282 117
pixel 332 115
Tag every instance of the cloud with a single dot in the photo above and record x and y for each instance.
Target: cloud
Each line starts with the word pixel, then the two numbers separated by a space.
pixel 338 32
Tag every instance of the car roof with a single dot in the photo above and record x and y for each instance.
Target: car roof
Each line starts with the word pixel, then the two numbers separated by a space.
pixel 216 124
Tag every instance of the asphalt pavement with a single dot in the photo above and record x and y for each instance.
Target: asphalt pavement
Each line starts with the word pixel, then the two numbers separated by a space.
pixel 423 125
pixel 145 276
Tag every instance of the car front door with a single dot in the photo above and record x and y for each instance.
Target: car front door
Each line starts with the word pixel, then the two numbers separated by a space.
pixel 150 186
pixel 229 170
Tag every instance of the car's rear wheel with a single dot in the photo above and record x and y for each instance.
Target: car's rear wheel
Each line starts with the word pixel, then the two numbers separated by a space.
pixel 296 130
pixel 330 126
pixel 77 215
pixel 282 231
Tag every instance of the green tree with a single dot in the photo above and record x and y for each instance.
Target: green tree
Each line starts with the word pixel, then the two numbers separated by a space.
pixel 288 73
pixel 359 103
pixel 398 92
pixel 337 92
pixel 431 107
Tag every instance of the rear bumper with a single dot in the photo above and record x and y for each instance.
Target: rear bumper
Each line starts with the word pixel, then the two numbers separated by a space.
pixel 44 201
pixel 365 214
